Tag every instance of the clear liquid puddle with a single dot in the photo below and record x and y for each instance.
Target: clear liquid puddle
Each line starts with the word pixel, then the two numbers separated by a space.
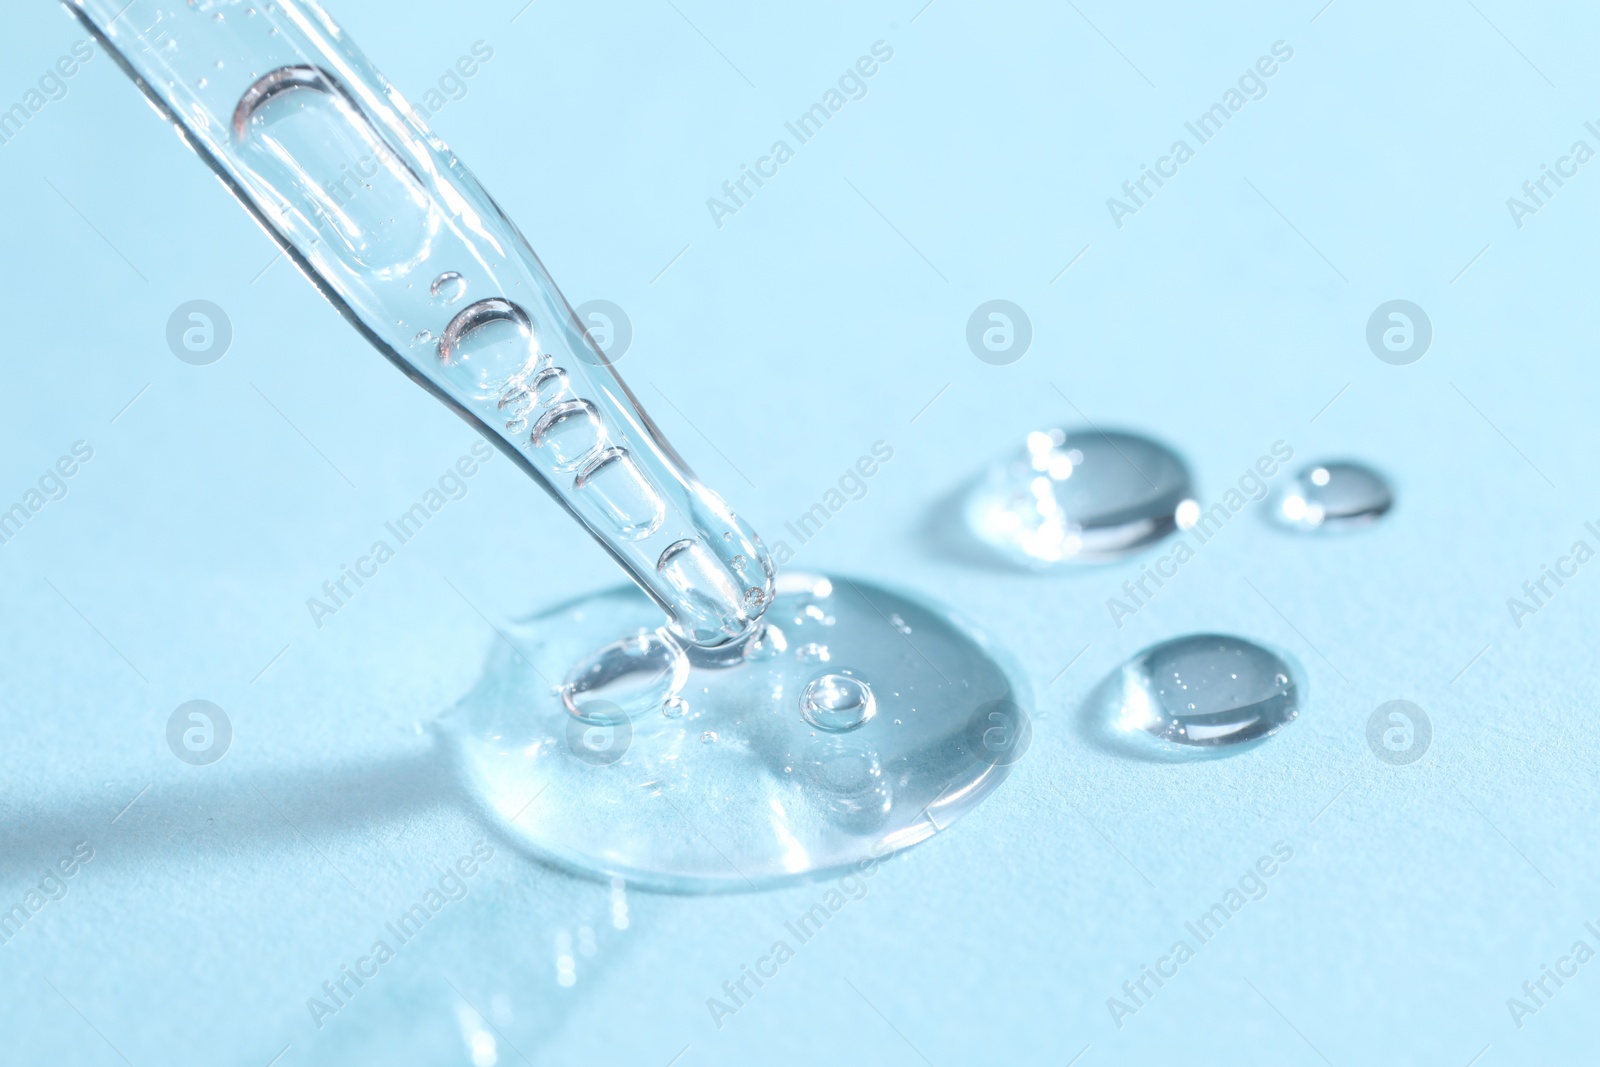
pixel 1332 496
pixel 1197 695
pixel 738 771
pixel 1078 496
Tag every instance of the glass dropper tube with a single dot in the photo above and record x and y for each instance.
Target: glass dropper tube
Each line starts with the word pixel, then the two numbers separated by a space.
pixel 395 231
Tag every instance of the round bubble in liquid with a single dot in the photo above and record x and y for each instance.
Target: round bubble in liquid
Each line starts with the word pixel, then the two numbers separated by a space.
pixel 1198 695
pixel 1079 496
pixel 1331 496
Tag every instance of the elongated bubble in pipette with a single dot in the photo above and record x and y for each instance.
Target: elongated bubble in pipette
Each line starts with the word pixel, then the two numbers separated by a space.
pixel 618 491
pixel 331 172
pixel 488 347
pixel 569 435
pixel 706 583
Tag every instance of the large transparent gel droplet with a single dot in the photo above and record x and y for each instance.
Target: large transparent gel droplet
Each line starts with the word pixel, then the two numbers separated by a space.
pixel 756 769
pixel 1197 695
pixel 1332 497
pixel 1078 496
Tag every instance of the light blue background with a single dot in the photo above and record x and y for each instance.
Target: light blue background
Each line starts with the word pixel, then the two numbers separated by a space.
pixel 819 319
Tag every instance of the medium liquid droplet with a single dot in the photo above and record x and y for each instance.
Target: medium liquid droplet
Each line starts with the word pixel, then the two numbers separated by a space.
pixel 1332 496
pixel 1204 691
pixel 837 702
pixel 1078 496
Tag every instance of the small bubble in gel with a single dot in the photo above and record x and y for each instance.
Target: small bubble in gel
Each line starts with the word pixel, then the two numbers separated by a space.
pixel 1331 496
pixel 1079 496
pixel 448 287
pixel 1201 692
pixel 837 702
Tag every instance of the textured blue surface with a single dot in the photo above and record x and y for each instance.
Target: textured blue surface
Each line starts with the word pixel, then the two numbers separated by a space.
pixel 1226 314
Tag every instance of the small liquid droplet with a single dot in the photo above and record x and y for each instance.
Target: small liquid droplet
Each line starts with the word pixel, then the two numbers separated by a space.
pixel 837 702
pixel 1204 691
pixel 1332 496
pixel 1079 497
pixel 424 336
pixel 709 737
pixel 813 653
pixel 674 707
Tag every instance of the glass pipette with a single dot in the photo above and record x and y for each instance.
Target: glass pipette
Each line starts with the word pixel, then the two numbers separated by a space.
pixel 400 237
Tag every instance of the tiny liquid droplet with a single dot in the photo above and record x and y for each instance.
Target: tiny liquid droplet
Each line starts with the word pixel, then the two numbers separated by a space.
pixel 1079 496
pixel 674 707
pixel 448 287
pixel 709 737
pixel 1331 496
pixel 424 336
pixel 837 702
pixel 1204 691
pixel 812 652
